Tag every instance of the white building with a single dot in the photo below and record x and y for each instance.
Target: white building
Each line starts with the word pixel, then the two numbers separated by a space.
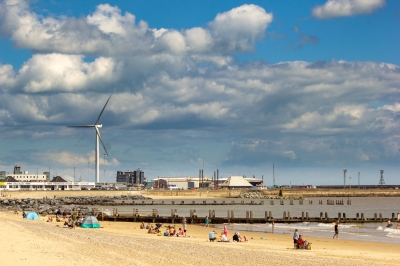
pixel 183 182
pixel 26 176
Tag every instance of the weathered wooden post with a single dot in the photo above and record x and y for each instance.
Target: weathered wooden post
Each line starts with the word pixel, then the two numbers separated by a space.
pixel 270 215
pixel 320 215
pixel 362 216
pixel 182 202
pixel 251 214
pixel 380 216
pixel 247 215
pixel 213 213
pixel 326 216
pixel 262 202
pixel 357 216
pixel 271 202
pixel 266 215
pixel 172 213
pixel 392 216
pixel 284 215
pixel 339 215
pixel 288 215
pixel 375 216
pixel 306 215
pixel 232 214
pixel 193 202
pixel 223 202
pixel 302 215
pixel 229 215
pixel 344 216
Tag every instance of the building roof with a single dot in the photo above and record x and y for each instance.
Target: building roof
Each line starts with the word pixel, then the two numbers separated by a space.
pixel 10 179
pixel 58 179
pixel 236 181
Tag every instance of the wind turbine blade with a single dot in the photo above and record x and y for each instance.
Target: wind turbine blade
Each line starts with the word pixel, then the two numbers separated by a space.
pixel 83 126
pixel 102 110
pixel 98 134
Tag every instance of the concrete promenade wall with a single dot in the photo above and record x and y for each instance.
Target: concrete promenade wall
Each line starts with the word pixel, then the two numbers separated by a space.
pixel 223 193
pixel 66 193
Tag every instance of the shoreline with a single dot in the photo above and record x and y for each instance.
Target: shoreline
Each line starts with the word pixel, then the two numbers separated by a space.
pixel 41 243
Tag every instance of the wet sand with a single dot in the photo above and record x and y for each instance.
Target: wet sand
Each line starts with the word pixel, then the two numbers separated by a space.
pixel 118 243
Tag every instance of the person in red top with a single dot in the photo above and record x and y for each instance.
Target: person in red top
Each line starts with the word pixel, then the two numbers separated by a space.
pixel 300 242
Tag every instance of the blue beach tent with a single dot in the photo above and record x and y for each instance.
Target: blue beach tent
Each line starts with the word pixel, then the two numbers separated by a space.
pixel 32 216
pixel 90 222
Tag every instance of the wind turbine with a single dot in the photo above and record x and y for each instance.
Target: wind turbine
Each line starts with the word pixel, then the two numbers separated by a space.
pixel 98 136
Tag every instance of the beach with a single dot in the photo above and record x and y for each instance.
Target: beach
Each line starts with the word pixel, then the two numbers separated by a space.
pixel 41 243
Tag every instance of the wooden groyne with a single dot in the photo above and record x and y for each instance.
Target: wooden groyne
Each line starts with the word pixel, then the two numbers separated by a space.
pixel 192 218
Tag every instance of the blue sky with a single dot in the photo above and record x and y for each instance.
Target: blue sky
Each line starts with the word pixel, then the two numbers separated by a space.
pixel 312 86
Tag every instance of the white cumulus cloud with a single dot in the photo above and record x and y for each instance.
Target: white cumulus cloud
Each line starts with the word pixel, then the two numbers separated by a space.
pixel 346 8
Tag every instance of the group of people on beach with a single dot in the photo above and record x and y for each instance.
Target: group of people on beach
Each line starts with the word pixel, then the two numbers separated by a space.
pixel 70 221
pixel 299 242
pixel 224 236
pixel 170 229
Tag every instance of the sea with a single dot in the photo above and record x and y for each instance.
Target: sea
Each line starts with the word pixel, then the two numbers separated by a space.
pixel 371 232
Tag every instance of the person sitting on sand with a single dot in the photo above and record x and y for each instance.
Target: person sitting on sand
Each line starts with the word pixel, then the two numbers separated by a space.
pixel 180 232
pixel 64 214
pixel 224 238
pixel 142 225
pixel 148 226
pixel 150 231
pixel 49 219
pixel 236 237
pixel 211 236
pixel 171 231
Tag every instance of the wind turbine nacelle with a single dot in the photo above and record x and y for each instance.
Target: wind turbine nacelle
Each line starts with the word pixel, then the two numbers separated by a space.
pixel 99 126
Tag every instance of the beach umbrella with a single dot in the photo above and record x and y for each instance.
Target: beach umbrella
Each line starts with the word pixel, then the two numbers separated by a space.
pixel 90 222
pixel 32 216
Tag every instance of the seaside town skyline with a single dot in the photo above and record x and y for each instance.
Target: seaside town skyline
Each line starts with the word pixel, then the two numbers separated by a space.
pixel 310 86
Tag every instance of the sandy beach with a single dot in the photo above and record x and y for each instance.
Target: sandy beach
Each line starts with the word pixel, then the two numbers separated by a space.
pixel 117 243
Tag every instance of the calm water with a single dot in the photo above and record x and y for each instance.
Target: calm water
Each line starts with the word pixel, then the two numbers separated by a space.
pixel 365 232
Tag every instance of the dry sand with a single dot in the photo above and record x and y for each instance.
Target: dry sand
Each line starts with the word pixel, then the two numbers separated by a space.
pixel 26 242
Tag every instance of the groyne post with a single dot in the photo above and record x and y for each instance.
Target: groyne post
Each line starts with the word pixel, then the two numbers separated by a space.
pixel 288 215
pixel 266 215
pixel 306 215
pixel 284 215
pixel 357 216
pixel 302 215
pixel 344 216
pixel 380 217
pixel 270 215
pixel 362 216
pixel 339 215
pixel 320 215
pixel 326 216
pixel 375 216
pixel 232 214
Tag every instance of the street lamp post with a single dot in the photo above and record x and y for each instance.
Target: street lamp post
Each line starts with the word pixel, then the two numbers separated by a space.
pixel 88 170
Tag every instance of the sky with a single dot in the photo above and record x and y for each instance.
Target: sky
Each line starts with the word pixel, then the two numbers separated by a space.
pixel 310 87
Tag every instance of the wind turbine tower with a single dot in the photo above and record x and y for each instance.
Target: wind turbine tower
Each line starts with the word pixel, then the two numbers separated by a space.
pixel 96 126
pixel 344 177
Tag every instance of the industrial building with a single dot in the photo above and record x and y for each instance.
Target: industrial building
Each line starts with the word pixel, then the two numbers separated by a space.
pixel 179 182
pixel 134 178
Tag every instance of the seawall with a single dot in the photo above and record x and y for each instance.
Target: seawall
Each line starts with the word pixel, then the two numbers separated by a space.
pixel 222 193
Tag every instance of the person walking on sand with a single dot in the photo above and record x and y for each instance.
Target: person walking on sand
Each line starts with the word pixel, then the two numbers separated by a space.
pixel 207 221
pixel 295 238
pixel 336 231
pixel 273 226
